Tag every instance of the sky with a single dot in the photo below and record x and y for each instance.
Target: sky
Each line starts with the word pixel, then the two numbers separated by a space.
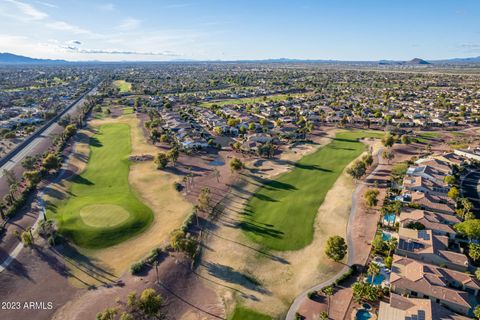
pixel 240 30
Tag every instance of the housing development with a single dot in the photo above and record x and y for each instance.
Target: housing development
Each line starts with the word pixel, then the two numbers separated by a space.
pixel 239 160
pixel 240 191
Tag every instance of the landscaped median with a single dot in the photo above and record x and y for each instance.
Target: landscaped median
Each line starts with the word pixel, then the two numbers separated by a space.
pixel 281 213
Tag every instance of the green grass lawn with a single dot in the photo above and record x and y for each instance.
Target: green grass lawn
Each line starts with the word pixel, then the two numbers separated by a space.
pixel 123 85
pixel 275 97
pixel 127 110
pixel 425 137
pixel 241 313
pixel 281 213
pixel 101 209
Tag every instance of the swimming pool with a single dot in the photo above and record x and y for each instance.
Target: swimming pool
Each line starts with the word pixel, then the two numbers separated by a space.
pixel 386 236
pixel 377 280
pixel 363 315
pixel 389 218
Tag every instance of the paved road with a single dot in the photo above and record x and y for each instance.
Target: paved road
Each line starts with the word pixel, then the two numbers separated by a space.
pixel 38 145
pixel 471 189
pixel 351 248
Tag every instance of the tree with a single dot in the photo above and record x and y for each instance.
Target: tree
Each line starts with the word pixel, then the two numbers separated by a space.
pixel 69 131
pixel 126 316
pixel 29 162
pixel 373 270
pixel 107 314
pixel 453 193
pixel 405 139
pixel 151 304
pixel 27 238
pixel 32 177
pixel 466 204
pixel 204 199
pixel 364 291
pixel 336 248
pixel 357 170
pixel 181 242
pixel 12 184
pixel 236 164
pixel 477 273
pixel 388 140
pixel 378 244
pixel 51 162
pixel 387 155
pixel 368 159
pixel 173 154
pixel 469 228
pixel 474 251
pixel 450 180
pixel 476 312
pixel 161 160
pixel 328 292
pixel 371 197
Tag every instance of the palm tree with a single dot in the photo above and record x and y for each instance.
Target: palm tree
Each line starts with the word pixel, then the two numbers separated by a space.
pixel 373 270
pixel 391 245
pixel 328 292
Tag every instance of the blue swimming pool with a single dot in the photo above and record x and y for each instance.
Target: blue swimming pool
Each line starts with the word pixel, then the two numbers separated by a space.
pixel 363 315
pixel 377 280
pixel 386 236
pixel 389 218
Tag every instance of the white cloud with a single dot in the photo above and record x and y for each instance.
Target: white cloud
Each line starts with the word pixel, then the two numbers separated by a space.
pixel 128 24
pixel 65 26
pixel 28 10
pixel 106 7
pixel 47 4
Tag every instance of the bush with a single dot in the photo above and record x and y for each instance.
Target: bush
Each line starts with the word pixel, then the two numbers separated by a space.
pixel 188 222
pixel 178 186
pixel 311 295
pixel 149 260
pixel 136 268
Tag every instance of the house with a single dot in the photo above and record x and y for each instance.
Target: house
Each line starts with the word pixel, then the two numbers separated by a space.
pixel 452 158
pixel 437 164
pixel 452 289
pixel 427 172
pixel 440 223
pixel 423 245
pixel 421 184
pixel 472 154
pixel 431 202
pixel 405 308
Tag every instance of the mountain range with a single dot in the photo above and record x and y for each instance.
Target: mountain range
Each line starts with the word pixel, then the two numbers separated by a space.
pixel 10 58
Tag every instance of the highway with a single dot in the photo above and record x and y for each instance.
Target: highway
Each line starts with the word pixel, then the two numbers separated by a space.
pixel 39 142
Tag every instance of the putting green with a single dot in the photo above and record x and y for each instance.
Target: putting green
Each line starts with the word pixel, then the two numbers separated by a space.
pixel 103 215
pixel 281 213
pixel 101 209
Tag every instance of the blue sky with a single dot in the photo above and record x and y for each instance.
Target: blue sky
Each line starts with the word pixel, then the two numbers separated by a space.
pixel 247 29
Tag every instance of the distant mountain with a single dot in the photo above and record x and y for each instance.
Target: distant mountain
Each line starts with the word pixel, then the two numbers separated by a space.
pixel 460 60
pixel 11 58
pixel 417 61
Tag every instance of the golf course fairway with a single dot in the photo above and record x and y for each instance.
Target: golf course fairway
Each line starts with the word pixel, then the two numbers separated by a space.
pixel 101 209
pixel 280 215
